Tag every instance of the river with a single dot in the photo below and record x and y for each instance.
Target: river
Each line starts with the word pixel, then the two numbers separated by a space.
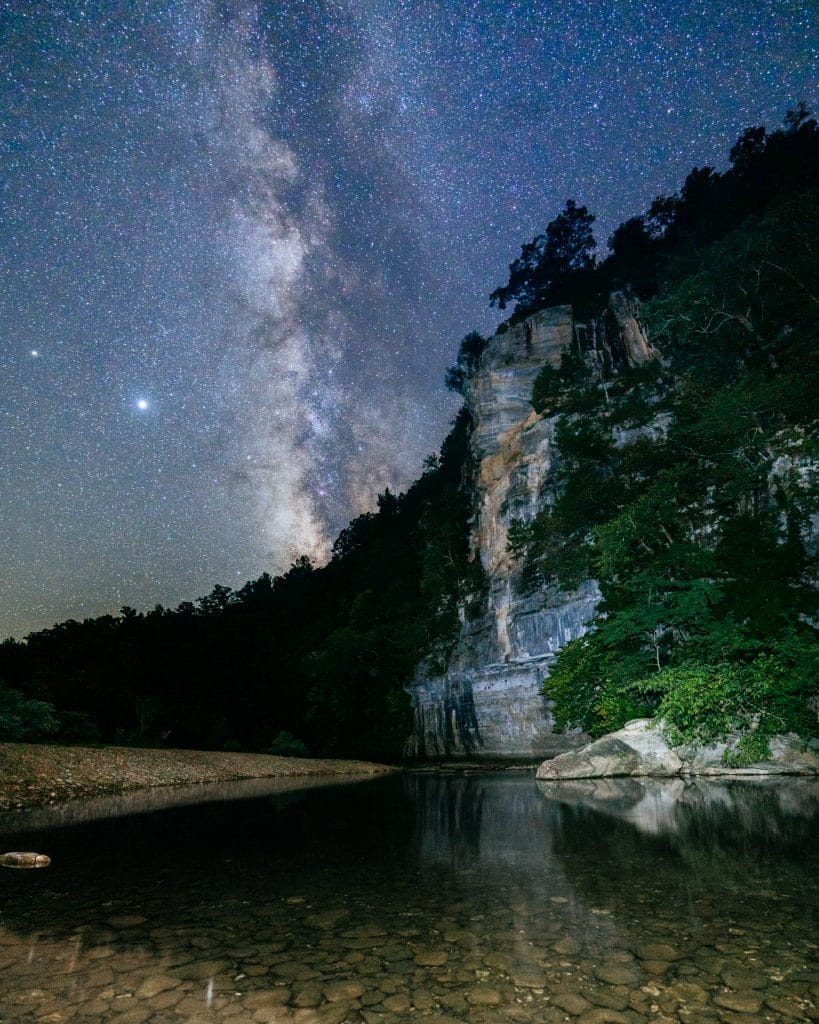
pixel 449 897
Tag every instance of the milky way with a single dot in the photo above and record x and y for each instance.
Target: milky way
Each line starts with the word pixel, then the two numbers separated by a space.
pixel 239 244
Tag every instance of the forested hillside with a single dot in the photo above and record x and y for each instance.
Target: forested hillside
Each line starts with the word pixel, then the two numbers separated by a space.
pixel 688 489
pixel 689 483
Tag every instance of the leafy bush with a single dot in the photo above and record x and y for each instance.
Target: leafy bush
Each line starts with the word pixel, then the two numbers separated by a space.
pixel 286 745
pixel 701 703
pixel 24 720
pixel 590 691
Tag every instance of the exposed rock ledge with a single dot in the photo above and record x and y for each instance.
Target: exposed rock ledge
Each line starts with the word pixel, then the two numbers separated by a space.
pixel 639 749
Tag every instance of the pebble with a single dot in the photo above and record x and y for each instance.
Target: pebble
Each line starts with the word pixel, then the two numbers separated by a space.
pixel 657 951
pixel 600 1015
pixel 423 999
pixel 431 958
pixel 789 1008
pixel 567 946
pixel 308 995
pixel 338 990
pixel 484 995
pixel 741 977
pixel 398 1003
pixel 127 920
pixel 571 1002
pixel 608 998
pixel 498 961
pixel 153 986
pixel 267 997
pixel 615 974
pixel 26 860
pixel 742 1002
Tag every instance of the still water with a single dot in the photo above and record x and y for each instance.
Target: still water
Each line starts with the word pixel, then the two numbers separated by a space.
pixel 420 897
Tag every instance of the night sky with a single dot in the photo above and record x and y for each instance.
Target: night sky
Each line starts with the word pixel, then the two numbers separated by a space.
pixel 240 242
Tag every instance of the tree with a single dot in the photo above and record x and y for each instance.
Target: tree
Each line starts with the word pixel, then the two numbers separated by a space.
pixel 23 719
pixel 469 355
pixel 548 262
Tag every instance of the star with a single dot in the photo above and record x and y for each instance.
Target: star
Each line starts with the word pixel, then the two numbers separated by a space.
pixel 280 219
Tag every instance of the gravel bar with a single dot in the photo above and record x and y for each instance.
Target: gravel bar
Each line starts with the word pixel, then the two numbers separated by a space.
pixel 33 774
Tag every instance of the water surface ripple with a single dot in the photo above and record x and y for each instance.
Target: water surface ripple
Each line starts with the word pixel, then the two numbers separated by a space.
pixel 475 898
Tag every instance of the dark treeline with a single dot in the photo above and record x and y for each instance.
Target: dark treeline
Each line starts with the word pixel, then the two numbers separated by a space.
pixel 559 266
pixel 312 661
pixel 698 531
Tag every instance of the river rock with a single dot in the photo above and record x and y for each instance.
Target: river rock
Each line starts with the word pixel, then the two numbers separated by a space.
pixel 154 985
pixel 431 957
pixel 656 951
pixel 640 749
pixel 339 990
pixel 528 977
pixel 571 1002
pixel 484 995
pixel 24 860
pixel 615 974
pixel 399 1003
pixel 742 1002
pixel 601 1015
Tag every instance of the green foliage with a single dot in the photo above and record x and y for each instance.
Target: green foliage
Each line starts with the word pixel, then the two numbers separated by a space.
pixel 24 720
pixel 563 388
pixel 589 689
pixel 286 745
pixel 696 530
pixel 548 390
pixel 698 702
pixel 469 355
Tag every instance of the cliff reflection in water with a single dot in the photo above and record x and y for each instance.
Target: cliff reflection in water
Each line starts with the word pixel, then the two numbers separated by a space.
pixel 721 814
pixel 686 841
pixel 487 822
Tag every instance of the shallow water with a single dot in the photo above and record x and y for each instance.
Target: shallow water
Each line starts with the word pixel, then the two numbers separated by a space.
pixel 477 898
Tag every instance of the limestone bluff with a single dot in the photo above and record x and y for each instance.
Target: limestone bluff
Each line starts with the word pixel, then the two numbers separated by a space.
pixel 486 703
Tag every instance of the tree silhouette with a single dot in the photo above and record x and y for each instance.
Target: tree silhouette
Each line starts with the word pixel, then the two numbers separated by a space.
pixel 549 260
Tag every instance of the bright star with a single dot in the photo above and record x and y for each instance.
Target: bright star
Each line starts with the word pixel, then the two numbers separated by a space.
pixel 142 404
pixel 34 353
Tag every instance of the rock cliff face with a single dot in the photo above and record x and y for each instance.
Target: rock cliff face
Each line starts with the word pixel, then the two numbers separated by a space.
pixel 487 704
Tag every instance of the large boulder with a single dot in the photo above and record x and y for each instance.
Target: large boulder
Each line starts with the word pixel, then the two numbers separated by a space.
pixel 639 749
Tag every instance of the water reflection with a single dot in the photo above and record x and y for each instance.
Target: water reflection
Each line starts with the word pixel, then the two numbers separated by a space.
pixel 774 807
pixel 478 898
pixel 143 801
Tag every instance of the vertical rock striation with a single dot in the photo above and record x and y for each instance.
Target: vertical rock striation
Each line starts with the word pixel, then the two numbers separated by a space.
pixel 486 704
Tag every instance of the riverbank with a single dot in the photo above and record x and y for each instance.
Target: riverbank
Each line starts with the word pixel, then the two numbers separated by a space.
pixel 34 775
pixel 641 749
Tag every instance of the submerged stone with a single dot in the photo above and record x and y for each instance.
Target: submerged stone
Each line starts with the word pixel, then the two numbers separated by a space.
pixel 24 860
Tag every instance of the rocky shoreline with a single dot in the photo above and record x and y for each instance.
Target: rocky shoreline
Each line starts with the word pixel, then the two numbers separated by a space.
pixel 639 749
pixel 34 775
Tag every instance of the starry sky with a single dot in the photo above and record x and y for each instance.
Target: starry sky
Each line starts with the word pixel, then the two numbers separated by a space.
pixel 240 242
